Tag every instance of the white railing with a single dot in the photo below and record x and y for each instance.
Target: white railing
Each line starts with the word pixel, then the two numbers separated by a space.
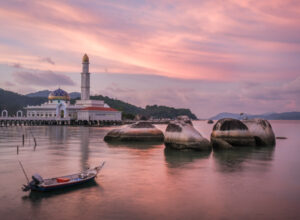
pixel 35 118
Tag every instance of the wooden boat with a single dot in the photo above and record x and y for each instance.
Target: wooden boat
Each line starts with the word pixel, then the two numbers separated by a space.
pixel 40 184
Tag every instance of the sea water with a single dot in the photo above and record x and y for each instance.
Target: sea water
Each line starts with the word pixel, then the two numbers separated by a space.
pixel 147 181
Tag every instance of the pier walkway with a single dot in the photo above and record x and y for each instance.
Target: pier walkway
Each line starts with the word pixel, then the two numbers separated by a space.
pixel 32 121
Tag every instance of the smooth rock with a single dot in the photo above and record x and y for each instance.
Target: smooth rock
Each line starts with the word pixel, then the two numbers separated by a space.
pixel 233 132
pixel 139 131
pixel 181 135
pixel 262 131
pixel 218 143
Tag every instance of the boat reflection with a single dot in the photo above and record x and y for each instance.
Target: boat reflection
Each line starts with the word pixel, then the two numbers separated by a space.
pixel 239 159
pixel 177 158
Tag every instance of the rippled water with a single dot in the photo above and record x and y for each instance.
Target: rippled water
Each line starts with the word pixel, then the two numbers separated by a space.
pixel 146 181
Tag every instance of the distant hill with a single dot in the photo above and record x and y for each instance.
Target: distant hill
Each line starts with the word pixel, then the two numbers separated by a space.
pixel 13 102
pixel 283 116
pixel 154 111
pixel 74 95
pixel 225 115
pixel 45 94
pixel 269 116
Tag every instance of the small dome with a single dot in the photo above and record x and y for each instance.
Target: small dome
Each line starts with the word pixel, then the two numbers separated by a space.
pixel 85 58
pixel 59 94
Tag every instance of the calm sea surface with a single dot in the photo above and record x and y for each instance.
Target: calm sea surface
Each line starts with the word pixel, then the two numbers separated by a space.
pixel 146 181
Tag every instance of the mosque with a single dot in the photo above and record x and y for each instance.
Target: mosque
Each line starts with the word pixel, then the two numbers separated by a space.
pixel 85 109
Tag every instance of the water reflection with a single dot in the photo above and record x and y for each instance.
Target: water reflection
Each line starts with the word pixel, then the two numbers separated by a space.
pixel 239 159
pixel 177 158
pixel 84 147
pixel 146 181
pixel 135 145
pixel 57 134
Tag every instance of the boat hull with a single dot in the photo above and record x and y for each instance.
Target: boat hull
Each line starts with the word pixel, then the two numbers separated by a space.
pixel 42 185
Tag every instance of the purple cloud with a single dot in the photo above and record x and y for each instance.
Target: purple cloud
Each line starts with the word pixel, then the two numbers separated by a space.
pixel 47 60
pixel 42 78
pixel 17 65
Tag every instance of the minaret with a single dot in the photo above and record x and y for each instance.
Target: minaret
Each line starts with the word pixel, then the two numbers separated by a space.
pixel 85 79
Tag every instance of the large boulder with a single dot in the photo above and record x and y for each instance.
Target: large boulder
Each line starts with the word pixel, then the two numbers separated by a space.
pixel 180 134
pixel 262 132
pixel 219 143
pixel 139 131
pixel 185 119
pixel 229 133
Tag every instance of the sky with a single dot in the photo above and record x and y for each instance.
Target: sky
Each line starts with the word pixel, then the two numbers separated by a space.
pixel 209 56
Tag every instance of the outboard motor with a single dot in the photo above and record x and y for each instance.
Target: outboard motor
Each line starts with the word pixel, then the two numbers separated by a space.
pixel 37 179
pixel 26 188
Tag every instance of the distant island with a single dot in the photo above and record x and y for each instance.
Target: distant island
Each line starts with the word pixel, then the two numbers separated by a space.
pixel 13 102
pixel 268 116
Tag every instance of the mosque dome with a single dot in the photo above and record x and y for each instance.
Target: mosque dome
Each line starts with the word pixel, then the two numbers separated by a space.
pixel 85 58
pixel 59 94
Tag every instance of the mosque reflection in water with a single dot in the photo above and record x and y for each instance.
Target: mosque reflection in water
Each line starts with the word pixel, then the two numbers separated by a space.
pixel 84 146
pixel 58 134
pixel 61 137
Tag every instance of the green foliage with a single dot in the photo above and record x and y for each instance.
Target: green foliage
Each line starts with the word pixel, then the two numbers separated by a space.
pixel 126 116
pixel 167 112
pixel 119 105
pixel 13 102
pixel 153 111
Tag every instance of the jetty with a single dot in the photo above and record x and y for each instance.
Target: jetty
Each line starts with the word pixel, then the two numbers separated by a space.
pixel 38 121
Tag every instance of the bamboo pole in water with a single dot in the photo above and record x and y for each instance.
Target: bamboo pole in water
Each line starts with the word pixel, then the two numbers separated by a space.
pixel 24 172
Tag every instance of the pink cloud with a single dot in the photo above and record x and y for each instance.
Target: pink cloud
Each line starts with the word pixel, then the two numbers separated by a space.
pixel 155 39
pixel 216 41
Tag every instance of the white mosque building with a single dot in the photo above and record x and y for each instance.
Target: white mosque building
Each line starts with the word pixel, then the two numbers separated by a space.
pixel 59 106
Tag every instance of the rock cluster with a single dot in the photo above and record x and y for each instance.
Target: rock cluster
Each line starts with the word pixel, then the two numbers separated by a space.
pixel 139 131
pixel 180 134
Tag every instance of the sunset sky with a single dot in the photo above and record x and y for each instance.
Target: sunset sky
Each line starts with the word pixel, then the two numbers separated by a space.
pixel 209 56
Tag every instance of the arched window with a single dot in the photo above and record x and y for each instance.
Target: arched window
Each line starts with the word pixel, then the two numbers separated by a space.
pixel 4 113
pixel 19 113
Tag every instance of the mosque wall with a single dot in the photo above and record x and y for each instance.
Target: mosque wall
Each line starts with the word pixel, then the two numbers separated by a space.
pixel 99 116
